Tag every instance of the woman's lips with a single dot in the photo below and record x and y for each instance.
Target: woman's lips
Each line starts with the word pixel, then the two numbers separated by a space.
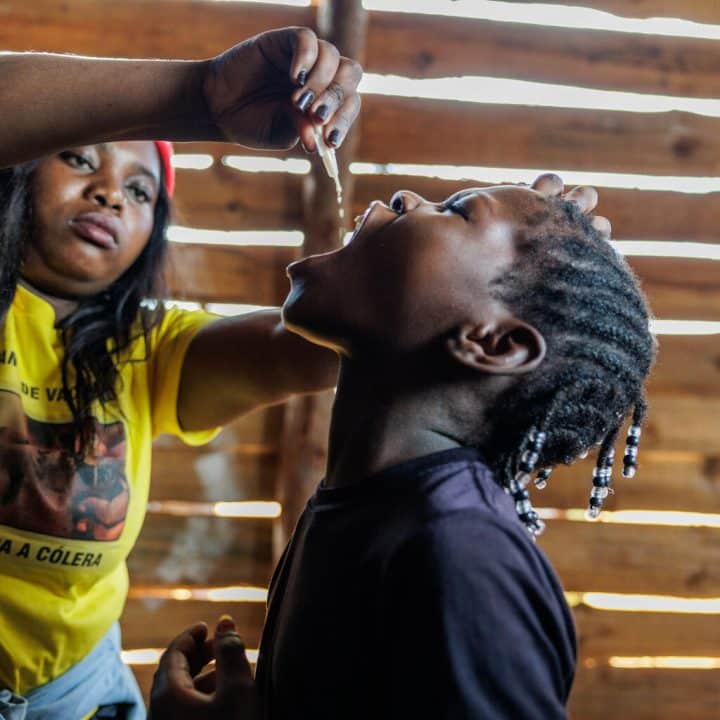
pixel 96 229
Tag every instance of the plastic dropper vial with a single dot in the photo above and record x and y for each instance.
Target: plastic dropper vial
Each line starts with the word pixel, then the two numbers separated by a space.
pixel 329 161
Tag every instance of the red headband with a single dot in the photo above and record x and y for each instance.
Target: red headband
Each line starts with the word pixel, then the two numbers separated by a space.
pixel 165 150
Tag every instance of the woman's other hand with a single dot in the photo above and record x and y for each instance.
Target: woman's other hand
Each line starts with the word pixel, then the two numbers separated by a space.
pixel 270 89
pixel 181 692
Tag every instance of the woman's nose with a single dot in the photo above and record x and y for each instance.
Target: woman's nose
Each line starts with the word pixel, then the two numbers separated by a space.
pixel 404 200
pixel 106 197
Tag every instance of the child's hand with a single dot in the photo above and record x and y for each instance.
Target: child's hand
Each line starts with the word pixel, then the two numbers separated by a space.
pixel 227 692
pixel 585 197
pixel 270 89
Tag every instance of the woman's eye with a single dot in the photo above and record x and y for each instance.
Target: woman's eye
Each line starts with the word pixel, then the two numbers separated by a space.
pixel 76 160
pixel 140 194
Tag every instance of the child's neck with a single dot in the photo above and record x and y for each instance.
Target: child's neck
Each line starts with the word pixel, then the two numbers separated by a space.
pixel 377 424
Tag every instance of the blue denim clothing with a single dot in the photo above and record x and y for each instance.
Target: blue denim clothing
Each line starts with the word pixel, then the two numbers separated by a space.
pixel 100 678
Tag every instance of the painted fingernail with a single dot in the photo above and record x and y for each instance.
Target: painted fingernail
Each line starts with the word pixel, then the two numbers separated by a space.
pixel 225 624
pixel 334 137
pixel 302 77
pixel 305 100
pixel 322 112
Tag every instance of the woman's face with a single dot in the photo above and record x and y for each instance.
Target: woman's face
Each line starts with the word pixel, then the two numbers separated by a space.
pixel 93 211
pixel 412 271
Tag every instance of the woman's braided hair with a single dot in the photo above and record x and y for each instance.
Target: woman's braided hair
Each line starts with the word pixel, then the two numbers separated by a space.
pixel 572 285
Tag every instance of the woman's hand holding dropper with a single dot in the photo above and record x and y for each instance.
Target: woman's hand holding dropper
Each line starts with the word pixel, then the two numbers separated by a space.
pixel 264 92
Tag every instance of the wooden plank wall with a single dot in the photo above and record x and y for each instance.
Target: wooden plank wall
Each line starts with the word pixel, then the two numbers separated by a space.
pixel 180 557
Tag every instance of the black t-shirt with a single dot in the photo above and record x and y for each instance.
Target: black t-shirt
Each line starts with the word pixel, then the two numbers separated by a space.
pixel 415 594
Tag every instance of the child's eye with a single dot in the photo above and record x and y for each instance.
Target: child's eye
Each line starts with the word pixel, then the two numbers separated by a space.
pixel 454 207
pixel 76 160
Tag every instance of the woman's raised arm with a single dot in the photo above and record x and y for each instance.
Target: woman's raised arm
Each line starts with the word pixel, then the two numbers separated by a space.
pixel 257 93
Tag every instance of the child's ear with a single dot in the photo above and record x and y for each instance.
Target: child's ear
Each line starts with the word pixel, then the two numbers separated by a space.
pixel 507 347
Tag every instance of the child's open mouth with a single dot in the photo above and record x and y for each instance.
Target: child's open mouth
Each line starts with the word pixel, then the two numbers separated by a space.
pixel 374 218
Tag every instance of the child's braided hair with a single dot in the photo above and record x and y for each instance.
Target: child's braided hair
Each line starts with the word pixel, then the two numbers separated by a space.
pixel 572 285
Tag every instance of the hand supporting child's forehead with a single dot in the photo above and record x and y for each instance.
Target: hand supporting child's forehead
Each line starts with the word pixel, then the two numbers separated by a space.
pixel 585 197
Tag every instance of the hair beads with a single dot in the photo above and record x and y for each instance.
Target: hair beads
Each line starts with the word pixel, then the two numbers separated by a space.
pixel 631 451
pixel 518 485
pixel 542 477
pixel 602 477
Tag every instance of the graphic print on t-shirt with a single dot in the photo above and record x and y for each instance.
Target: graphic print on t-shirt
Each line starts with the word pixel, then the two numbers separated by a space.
pixel 44 489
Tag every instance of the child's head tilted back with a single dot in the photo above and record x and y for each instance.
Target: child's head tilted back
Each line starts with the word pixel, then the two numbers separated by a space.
pixel 506 309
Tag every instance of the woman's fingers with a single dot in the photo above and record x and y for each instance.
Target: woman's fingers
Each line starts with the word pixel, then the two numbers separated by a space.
pixel 602 225
pixel 305 55
pixel 584 196
pixel 549 184
pixel 320 75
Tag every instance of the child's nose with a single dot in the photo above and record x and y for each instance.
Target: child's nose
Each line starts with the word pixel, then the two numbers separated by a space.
pixel 404 200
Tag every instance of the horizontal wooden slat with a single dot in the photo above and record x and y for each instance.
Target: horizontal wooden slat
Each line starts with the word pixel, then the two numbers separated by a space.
pixel 148 623
pixel 684 482
pixel 237 274
pixel 604 692
pixel 680 288
pixel 634 559
pixel 683 424
pixel 603 634
pixel 206 475
pixel 202 551
pixel 410 45
pixel 206 199
pixel 168 28
pixel 225 199
pixel 705 11
pixel 687 365
pixel 407 130
pixel 436 46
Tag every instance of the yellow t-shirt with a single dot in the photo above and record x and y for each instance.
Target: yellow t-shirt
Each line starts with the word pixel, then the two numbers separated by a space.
pixel 67 528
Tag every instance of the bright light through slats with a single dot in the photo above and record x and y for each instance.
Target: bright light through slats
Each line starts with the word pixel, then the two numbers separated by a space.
pixel 180 234
pixel 246 509
pixel 665 663
pixel 267 164
pixel 225 309
pixel 662 248
pixel 232 309
pixel 236 593
pixel 549 14
pixel 507 91
pixel 635 517
pixel 256 509
pixel 617 602
pixel 695 185
pixel 189 161
pixel 151 656
pixel 684 327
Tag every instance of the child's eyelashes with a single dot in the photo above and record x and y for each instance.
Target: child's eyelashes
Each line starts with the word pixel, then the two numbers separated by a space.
pixel 455 208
